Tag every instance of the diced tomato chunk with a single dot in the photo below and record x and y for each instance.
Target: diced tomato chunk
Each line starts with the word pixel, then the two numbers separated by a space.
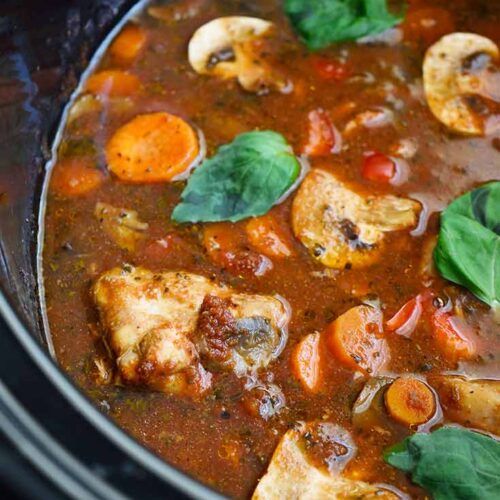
pixel 454 337
pixel 330 69
pixel 379 167
pixel 322 138
pixel 406 319
pixel 223 244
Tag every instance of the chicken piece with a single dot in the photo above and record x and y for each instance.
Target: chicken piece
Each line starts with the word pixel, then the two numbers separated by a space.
pixel 151 320
pixel 340 227
pixel 123 226
pixel 294 474
pixel 474 403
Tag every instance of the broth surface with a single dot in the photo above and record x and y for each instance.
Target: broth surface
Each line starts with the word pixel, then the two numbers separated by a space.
pixel 217 439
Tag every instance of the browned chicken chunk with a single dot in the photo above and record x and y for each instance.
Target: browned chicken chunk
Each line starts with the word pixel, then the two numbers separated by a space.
pixel 157 333
pixel 296 470
pixel 474 403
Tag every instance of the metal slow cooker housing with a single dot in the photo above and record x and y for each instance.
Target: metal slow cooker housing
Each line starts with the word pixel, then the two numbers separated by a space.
pixel 67 447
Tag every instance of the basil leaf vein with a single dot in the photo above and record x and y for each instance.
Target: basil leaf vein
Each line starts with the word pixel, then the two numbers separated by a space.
pixel 452 463
pixel 468 248
pixel 323 22
pixel 245 178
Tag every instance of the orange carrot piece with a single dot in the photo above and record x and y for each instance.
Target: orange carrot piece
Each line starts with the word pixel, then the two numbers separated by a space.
pixel 75 177
pixel 410 402
pixel 128 44
pixel 113 83
pixel 453 336
pixel 355 339
pixel 155 147
pixel 268 237
pixel 306 362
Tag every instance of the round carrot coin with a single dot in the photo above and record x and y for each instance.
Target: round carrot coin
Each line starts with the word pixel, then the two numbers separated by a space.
pixel 113 83
pixel 75 177
pixel 155 147
pixel 409 401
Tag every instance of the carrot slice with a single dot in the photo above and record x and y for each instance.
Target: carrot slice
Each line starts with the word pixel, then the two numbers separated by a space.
pixel 453 336
pixel 268 237
pixel 75 177
pixel 305 362
pixel 152 148
pixel 128 44
pixel 355 339
pixel 113 83
pixel 409 401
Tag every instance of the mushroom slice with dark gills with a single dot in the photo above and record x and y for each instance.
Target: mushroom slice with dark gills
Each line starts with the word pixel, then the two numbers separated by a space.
pixel 308 464
pixel 155 330
pixel 230 47
pixel 341 227
pixel 462 83
pixel 241 332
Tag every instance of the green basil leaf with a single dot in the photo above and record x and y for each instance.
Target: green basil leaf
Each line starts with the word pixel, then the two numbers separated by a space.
pixel 323 22
pixel 452 463
pixel 244 179
pixel 468 248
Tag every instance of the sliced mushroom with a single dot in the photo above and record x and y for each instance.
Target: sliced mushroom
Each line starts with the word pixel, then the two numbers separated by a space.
pixel 307 464
pixel 453 92
pixel 341 227
pixel 123 226
pixel 226 47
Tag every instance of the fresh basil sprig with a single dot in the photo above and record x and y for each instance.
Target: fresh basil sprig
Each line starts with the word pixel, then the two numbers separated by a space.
pixel 468 248
pixel 451 463
pixel 323 22
pixel 244 179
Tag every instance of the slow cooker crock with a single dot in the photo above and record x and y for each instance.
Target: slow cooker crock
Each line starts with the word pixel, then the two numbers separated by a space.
pixel 67 448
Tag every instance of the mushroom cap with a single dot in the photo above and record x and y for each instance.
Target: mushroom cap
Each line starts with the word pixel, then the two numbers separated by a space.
pixel 220 35
pixel 446 85
pixel 341 227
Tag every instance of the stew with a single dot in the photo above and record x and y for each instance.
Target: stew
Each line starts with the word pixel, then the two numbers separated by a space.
pixel 272 244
